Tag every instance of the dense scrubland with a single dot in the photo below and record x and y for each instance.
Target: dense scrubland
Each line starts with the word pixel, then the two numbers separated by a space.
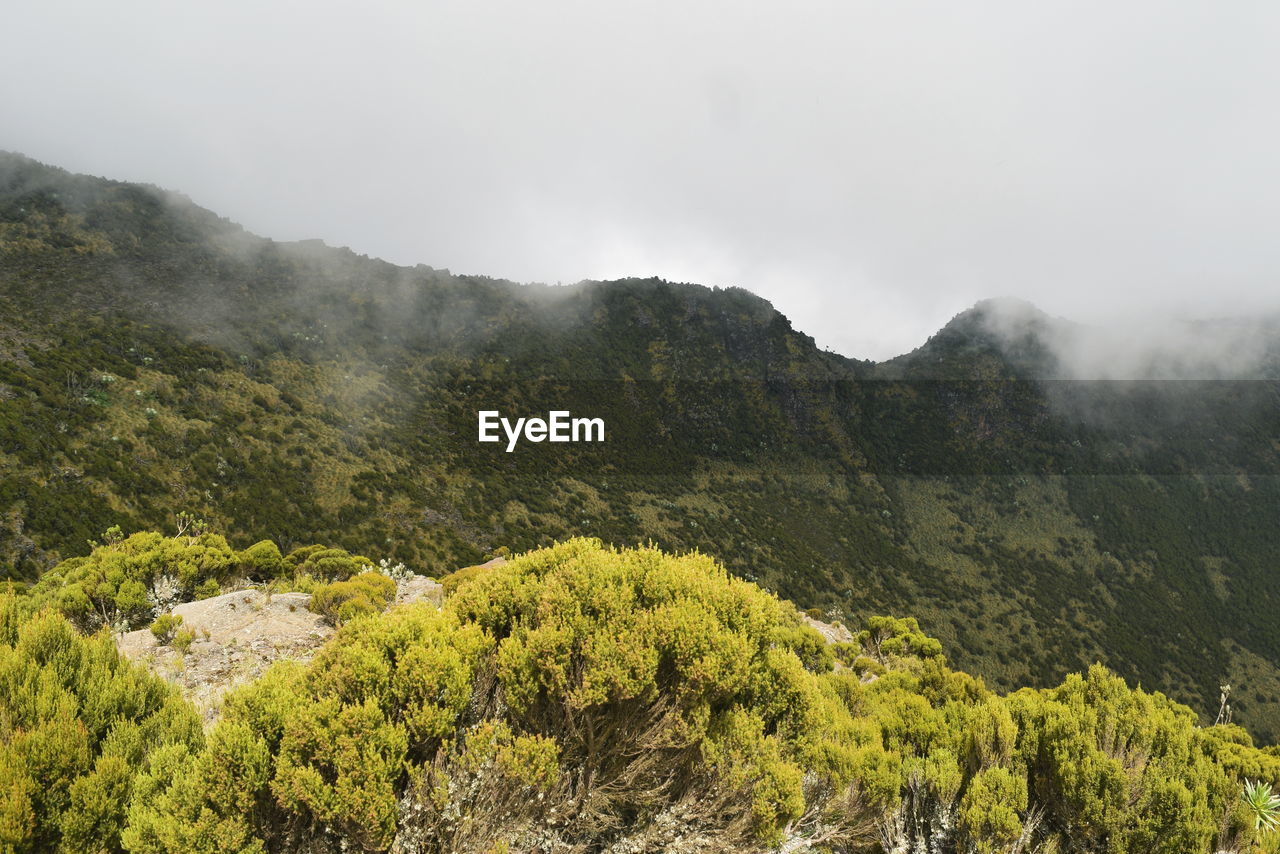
pixel 583 698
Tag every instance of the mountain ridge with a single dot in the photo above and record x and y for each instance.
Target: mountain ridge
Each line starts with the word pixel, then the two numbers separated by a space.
pixel 155 357
pixel 976 326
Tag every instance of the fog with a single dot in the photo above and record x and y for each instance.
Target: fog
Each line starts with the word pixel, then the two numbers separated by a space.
pixel 870 167
pixel 1154 346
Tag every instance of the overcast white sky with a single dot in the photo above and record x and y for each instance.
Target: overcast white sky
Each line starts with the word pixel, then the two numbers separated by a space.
pixel 870 167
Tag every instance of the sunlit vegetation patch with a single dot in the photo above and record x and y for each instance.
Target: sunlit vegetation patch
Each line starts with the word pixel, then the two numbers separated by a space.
pixel 126 583
pixel 78 725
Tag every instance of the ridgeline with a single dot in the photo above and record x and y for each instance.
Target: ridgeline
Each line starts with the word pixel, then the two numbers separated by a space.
pixel 156 359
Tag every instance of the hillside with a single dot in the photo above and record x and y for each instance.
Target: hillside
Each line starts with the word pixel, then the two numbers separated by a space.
pixel 155 358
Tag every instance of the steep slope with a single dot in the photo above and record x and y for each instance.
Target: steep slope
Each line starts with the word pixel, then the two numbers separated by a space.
pixel 155 358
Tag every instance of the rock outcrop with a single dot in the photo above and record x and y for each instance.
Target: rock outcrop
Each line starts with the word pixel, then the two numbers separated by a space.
pixel 237 636
pixel 831 632
pixel 419 588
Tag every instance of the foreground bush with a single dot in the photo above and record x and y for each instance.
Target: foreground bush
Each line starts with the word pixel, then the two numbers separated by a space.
pixel 77 726
pixel 612 683
pixel 581 696
pixel 316 754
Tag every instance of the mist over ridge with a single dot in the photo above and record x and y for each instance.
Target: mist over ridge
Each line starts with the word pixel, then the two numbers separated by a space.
pixel 1157 344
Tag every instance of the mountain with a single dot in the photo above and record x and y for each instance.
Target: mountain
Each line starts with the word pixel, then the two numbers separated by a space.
pixel 156 358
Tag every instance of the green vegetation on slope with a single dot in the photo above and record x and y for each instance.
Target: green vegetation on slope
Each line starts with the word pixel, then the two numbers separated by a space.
pixel 127 582
pixel 156 358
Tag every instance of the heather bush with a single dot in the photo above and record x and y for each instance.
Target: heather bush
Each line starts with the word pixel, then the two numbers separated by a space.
pixel 126 583
pixel 78 725
pixel 341 601
pixel 325 563
pixel 165 626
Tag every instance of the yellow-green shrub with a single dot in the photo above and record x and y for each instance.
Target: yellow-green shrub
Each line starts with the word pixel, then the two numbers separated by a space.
pixel 326 563
pixel 457 578
pixel 1119 767
pixel 262 561
pixel 341 601
pixel 577 691
pixel 165 626
pixel 992 808
pixel 306 753
pixel 623 641
pixel 121 584
pixel 77 725
pixel 182 640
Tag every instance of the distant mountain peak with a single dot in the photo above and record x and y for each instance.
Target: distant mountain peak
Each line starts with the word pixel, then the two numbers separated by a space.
pixel 999 334
pixel 1003 318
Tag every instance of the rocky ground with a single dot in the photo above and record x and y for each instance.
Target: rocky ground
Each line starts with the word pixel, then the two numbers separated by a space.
pixel 831 632
pixel 239 635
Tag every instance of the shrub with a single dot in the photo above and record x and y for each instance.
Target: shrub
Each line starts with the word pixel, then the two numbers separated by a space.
pixel 640 648
pixel 262 561
pixel 123 584
pixel 589 698
pixel 887 637
pixel 182 640
pixel 328 564
pixel 165 626
pixel 208 588
pixel 456 579
pixel 991 810
pixel 624 680
pixel 306 757
pixel 1119 766
pixel 341 601
pixel 78 724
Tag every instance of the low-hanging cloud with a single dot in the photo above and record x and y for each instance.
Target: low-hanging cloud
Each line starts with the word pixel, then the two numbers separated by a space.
pixel 1155 346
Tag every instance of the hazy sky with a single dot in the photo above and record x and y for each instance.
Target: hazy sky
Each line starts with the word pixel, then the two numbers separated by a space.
pixel 870 167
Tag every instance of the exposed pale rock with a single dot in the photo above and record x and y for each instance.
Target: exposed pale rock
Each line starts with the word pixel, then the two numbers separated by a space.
pixel 247 615
pixel 419 588
pixel 238 635
pixel 137 644
pixel 831 632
